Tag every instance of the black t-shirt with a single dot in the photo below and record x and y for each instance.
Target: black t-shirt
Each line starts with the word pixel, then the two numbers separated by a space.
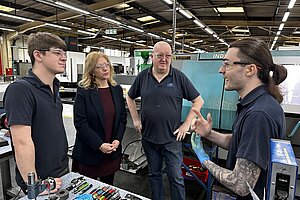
pixel 161 103
pixel 259 118
pixel 30 102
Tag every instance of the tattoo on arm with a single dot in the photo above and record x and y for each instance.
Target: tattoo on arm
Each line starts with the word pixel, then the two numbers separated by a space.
pixel 244 171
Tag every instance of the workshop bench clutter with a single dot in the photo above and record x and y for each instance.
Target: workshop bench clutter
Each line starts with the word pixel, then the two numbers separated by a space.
pixel 76 186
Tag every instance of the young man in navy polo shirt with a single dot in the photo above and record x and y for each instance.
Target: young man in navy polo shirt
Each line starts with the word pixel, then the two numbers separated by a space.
pixel 162 89
pixel 247 68
pixel 34 111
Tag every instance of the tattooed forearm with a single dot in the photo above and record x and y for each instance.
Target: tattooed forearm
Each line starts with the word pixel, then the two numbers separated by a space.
pixel 244 171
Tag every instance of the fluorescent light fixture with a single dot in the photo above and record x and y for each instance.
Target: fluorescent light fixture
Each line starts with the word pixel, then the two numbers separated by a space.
pixel 146 18
pixel 230 9
pixel 178 43
pixel 141 41
pixel 126 41
pixel 111 20
pixel 6 9
pixel 153 22
pixel 86 32
pixel 242 35
pixel 291 4
pixel 215 35
pixel 122 6
pixel 221 40
pixel 130 8
pixel 285 17
pixel 92 29
pixel 240 30
pixel 197 41
pixel 111 38
pixel 276 38
pixel 16 17
pixel 296 32
pixel 72 7
pixel 185 45
pixel 208 30
pixel 151 47
pixel 140 44
pixel 6 29
pixel 199 23
pixel 168 2
pixel 185 13
pixel 153 35
pixel 136 29
pixel 58 26
pixel 278 32
pixel 281 26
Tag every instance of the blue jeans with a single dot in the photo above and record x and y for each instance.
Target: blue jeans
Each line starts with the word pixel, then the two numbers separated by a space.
pixel 172 155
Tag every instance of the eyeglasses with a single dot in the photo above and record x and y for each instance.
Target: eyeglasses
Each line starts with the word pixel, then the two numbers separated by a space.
pixel 160 56
pixel 102 66
pixel 227 63
pixel 57 52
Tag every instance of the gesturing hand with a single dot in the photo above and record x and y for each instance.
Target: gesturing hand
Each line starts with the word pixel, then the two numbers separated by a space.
pixel 198 148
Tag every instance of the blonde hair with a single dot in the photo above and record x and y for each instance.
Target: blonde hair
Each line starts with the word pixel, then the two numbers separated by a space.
pixel 88 79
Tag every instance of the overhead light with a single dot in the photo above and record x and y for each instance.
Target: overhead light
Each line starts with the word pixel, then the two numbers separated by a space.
pixel 141 41
pixel 111 38
pixel 215 35
pixel 153 35
pixel 111 20
pixel 58 26
pixel 72 7
pixel 296 32
pixel 151 47
pixel 240 30
pixel 208 30
pixel 6 9
pixel 153 22
pixel 127 41
pixel 122 6
pixel 168 2
pixel 136 29
pixel 197 41
pixel 92 29
pixel 291 4
pixel 285 17
pixel 130 8
pixel 241 35
pixel 281 26
pixel 199 23
pixel 276 38
pixel 140 44
pixel 230 9
pixel 278 32
pixel 185 13
pixel 86 32
pixel 6 29
pixel 16 17
pixel 146 18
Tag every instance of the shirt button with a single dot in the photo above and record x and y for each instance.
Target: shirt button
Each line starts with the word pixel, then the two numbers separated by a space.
pixel 158 106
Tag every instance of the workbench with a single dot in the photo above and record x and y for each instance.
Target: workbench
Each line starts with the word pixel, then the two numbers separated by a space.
pixel 66 180
pixel 5 155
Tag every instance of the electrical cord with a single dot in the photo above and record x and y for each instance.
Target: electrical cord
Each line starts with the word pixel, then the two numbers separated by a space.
pixel 15 197
pixel 139 140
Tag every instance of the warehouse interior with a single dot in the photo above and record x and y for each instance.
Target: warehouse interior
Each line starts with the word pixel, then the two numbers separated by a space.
pixel 199 32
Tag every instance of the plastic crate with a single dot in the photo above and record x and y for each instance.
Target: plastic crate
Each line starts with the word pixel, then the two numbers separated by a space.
pixel 195 168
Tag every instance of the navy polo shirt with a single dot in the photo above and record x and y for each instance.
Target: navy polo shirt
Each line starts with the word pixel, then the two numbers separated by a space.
pixel 161 103
pixel 30 102
pixel 259 118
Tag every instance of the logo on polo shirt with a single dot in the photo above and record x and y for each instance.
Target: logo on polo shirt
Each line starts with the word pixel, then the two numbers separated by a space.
pixel 170 85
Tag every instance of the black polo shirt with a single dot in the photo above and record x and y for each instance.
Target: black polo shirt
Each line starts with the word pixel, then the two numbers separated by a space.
pixel 161 103
pixel 259 118
pixel 28 101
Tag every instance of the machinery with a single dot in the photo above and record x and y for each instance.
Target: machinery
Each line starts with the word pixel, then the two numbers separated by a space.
pixel 283 171
pixel 34 187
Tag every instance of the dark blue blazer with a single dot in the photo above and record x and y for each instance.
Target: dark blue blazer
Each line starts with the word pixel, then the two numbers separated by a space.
pixel 89 123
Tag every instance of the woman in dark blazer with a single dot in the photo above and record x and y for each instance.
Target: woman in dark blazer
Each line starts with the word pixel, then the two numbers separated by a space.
pixel 99 119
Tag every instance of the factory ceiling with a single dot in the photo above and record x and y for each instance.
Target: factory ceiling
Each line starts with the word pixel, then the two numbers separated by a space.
pixel 208 25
